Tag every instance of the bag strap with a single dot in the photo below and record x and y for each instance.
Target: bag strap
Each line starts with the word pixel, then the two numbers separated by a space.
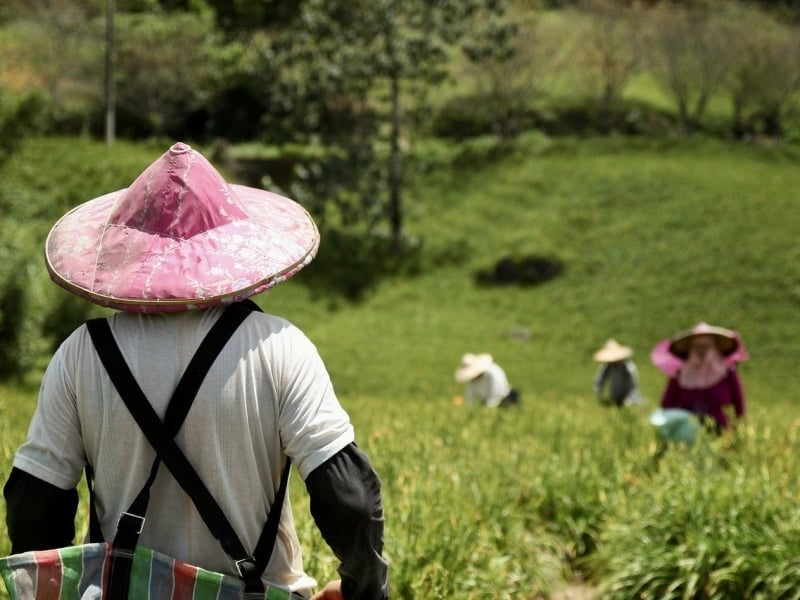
pixel 160 435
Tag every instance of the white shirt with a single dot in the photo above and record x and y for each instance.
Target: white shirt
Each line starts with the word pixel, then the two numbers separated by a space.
pixel 267 393
pixel 490 388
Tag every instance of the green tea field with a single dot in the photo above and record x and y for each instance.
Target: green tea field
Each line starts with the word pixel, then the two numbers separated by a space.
pixel 654 236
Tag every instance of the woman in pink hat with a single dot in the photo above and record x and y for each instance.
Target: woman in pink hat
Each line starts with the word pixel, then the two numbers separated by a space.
pixel 703 378
pixel 179 253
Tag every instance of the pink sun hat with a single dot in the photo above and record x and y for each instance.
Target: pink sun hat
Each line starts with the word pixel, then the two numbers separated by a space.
pixel 670 354
pixel 179 237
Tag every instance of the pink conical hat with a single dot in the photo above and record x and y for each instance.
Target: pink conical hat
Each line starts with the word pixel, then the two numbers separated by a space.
pixel 669 359
pixel 179 237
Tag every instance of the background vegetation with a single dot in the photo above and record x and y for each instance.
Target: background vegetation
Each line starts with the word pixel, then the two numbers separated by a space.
pixel 666 194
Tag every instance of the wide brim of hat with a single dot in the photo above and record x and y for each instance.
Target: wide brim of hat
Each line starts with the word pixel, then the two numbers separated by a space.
pixel 136 270
pixel 470 371
pixel 669 364
pixel 612 354
pixel 725 339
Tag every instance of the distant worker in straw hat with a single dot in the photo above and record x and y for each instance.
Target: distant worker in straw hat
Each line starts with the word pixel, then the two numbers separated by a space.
pixel 617 379
pixel 485 381
pixel 178 253
pixel 703 379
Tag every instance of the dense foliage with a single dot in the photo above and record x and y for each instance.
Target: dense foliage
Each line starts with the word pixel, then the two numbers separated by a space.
pixel 363 82
pixel 40 182
pixel 278 71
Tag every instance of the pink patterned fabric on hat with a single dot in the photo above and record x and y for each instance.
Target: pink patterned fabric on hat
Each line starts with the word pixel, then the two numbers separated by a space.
pixel 179 237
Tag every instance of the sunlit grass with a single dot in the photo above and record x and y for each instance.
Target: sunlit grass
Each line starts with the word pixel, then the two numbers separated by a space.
pixel 510 503
pixel 655 235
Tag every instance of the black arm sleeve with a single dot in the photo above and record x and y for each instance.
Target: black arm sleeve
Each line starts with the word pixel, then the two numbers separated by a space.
pixel 39 515
pixel 346 504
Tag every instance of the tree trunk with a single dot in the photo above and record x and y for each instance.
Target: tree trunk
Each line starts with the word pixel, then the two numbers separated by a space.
pixel 737 121
pixel 110 88
pixel 683 116
pixel 396 171
pixel 773 126
pixel 700 107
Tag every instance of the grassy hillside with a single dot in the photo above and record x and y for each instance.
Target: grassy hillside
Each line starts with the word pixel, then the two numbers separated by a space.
pixel 655 235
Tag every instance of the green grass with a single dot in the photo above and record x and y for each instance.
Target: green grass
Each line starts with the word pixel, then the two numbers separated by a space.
pixel 655 235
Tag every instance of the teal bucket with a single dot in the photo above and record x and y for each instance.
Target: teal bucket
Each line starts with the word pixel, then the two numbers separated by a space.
pixel 676 425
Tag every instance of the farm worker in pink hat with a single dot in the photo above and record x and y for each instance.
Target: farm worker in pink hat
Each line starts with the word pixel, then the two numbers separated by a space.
pixel 485 381
pixel 701 364
pixel 177 253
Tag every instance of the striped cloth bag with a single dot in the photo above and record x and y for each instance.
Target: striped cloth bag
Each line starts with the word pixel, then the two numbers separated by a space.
pixel 78 572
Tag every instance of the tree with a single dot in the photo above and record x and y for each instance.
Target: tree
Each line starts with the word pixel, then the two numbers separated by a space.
pixel 235 16
pixel 609 45
pixel 111 99
pixel 510 66
pixel 779 67
pixel 689 51
pixel 58 53
pixel 164 66
pixel 353 65
pixel 766 70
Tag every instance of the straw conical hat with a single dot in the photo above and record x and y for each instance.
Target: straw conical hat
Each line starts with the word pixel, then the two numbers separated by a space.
pixel 612 351
pixel 471 366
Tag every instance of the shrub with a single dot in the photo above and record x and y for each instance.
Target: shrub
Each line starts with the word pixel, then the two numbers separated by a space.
pixel 462 117
pixel 350 263
pixel 524 270
pixel 473 116
pixel 23 299
pixel 12 300
pixel 593 118
pixel 18 118
pixel 42 180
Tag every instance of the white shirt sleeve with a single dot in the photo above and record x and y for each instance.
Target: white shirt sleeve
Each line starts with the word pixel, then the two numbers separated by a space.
pixel 313 425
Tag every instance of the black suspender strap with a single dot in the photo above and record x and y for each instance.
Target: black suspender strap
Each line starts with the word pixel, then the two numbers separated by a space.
pixel 160 435
pixel 266 541
pixel 201 362
pixel 95 535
